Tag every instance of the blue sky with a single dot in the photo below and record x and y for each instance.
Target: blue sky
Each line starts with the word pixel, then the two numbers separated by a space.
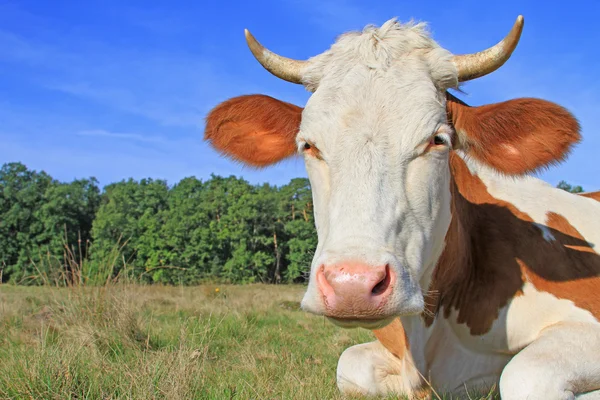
pixel 118 89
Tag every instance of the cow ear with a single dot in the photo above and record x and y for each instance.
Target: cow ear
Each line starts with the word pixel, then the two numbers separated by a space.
pixel 516 136
pixel 257 130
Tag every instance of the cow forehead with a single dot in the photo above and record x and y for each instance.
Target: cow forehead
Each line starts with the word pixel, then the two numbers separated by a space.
pixel 395 115
pixel 388 80
pixel 381 48
pixel 387 110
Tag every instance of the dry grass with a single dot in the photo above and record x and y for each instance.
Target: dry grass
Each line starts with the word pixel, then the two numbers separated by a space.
pixel 165 342
pixel 151 342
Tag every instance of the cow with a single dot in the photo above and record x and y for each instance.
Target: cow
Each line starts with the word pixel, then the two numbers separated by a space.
pixel 432 230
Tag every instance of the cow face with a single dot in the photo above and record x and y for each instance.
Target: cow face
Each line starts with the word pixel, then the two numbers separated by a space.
pixel 375 140
pixel 376 135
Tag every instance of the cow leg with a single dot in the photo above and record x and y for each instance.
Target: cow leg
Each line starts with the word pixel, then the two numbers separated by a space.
pixel 370 369
pixel 562 363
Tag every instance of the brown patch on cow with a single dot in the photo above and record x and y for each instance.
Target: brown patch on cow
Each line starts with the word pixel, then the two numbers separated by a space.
pixel 393 338
pixel 591 195
pixel 492 248
pixel 257 130
pixel 515 136
pixel 578 279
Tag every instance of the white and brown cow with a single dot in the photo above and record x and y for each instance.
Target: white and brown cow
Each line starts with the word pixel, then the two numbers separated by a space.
pixel 425 211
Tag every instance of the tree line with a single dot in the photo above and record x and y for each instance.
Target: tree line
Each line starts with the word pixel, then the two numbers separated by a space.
pixel 222 229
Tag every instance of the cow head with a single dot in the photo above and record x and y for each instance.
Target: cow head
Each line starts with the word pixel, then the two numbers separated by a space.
pixel 376 136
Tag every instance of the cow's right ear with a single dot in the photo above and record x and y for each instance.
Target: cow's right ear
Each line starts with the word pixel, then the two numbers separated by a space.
pixel 257 130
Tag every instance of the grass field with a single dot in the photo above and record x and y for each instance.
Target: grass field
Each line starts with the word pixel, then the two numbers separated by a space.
pixel 150 342
pixel 155 342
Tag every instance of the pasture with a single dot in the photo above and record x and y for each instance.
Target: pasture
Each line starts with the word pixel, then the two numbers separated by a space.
pixel 157 342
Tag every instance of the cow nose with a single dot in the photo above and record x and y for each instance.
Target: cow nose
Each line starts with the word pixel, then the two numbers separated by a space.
pixel 354 290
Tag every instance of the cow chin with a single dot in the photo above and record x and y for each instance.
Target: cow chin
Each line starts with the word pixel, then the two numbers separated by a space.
pixel 399 304
pixel 348 323
pixel 414 306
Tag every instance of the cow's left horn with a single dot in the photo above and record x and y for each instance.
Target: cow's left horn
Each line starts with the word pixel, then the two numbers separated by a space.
pixel 282 67
pixel 471 66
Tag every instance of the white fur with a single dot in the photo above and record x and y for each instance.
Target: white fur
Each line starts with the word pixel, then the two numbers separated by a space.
pixel 379 199
pixel 370 369
pixel 561 363
pixel 522 321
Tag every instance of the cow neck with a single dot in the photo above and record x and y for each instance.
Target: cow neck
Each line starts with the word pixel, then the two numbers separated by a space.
pixel 454 279
pixel 493 248
pixel 456 282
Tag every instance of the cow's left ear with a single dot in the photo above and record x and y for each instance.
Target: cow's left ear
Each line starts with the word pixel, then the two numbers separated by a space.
pixel 516 136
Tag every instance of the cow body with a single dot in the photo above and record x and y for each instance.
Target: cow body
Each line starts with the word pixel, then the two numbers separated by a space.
pixel 431 233
pixel 532 272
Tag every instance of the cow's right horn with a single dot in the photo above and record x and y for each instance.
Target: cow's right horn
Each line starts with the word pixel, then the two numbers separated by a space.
pixel 285 68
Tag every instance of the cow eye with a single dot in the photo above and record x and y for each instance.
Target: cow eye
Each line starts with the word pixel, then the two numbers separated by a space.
pixel 311 150
pixel 439 140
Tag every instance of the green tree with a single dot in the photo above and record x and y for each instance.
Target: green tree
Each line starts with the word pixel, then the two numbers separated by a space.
pixel 301 235
pixel 67 214
pixel 22 194
pixel 42 219
pixel 237 231
pixel 188 240
pixel 130 218
pixel 567 187
pixel 223 228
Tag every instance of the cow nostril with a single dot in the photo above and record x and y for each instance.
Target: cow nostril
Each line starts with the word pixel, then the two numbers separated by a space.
pixel 384 283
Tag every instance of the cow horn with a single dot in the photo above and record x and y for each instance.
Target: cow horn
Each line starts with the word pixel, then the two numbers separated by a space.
pixel 282 67
pixel 471 66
